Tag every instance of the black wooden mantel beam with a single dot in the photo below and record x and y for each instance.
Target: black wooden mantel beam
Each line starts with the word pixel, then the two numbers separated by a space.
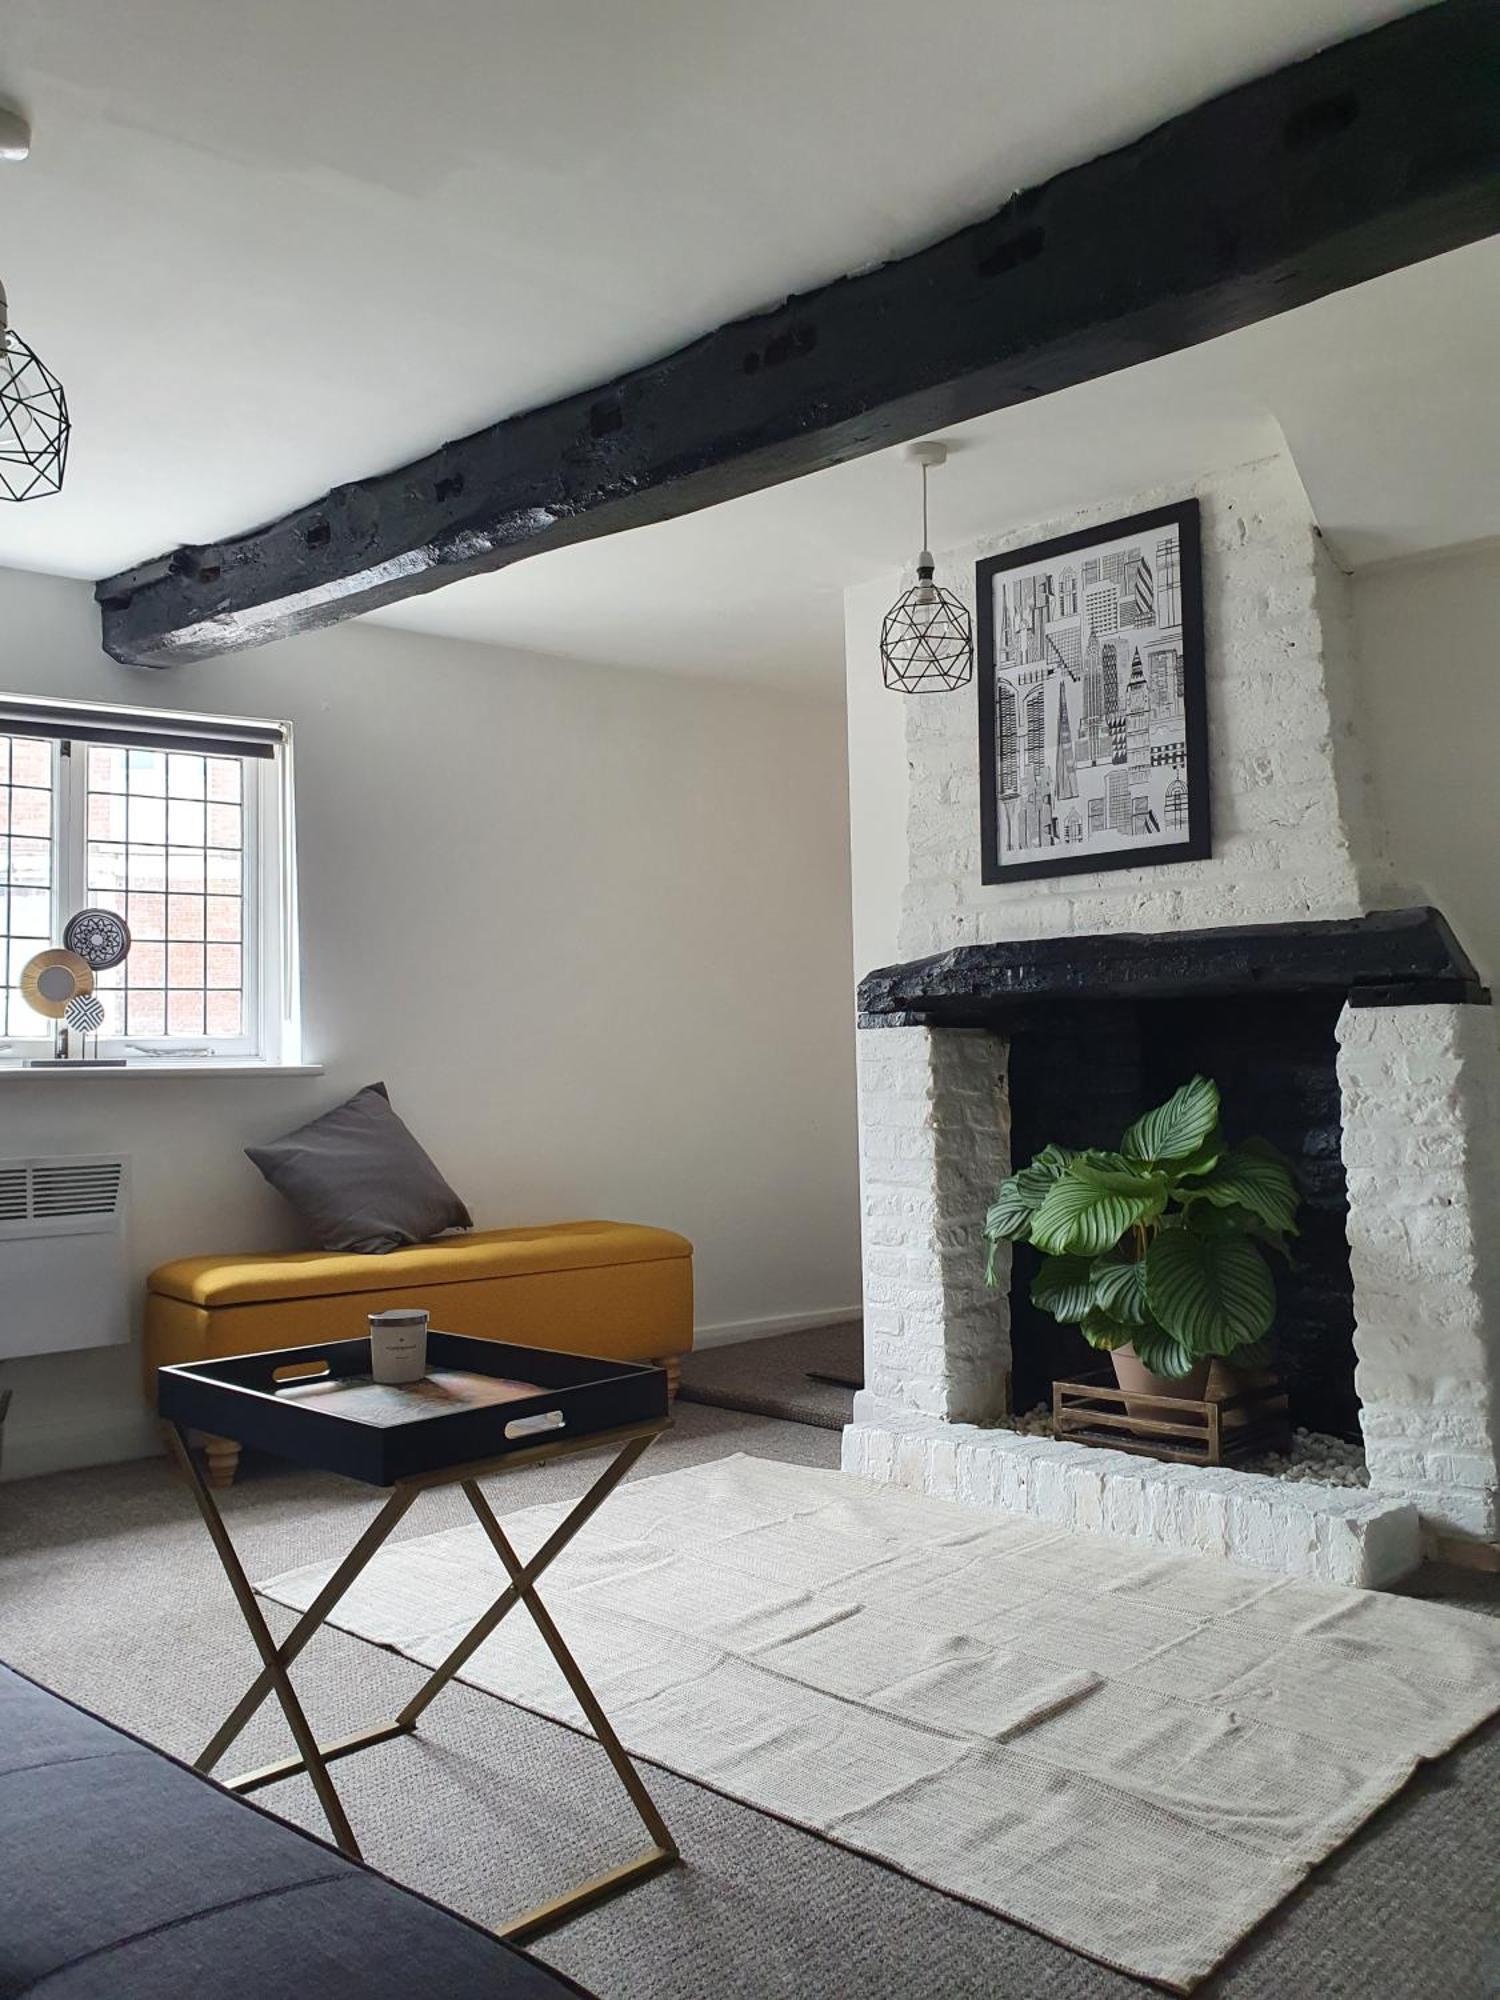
pixel 1389 958
pixel 1373 154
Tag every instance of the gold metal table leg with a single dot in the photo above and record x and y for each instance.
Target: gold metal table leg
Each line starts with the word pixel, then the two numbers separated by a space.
pixel 265 1645
pixel 598 1889
pixel 554 1545
pixel 663 1852
pixel 314 1757
pixel 314 1616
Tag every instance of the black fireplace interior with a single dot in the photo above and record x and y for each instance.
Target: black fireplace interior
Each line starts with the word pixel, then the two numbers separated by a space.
pixel 1080 1074
pixel 1102 1028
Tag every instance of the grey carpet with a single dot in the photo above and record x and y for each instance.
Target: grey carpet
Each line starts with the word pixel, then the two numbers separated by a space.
pixel 109 1591
pixel 768 1378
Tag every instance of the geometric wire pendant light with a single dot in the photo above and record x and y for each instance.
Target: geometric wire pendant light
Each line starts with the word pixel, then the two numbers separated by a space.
pixel 927 640
pixel 34 426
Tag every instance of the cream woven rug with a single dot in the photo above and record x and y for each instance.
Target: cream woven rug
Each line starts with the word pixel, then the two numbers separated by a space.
pixel 1137 1755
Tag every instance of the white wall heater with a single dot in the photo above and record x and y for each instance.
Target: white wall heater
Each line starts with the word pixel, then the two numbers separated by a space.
pixel 63 1276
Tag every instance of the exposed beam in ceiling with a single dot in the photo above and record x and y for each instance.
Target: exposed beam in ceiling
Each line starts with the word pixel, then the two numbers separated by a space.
pixel 1373 154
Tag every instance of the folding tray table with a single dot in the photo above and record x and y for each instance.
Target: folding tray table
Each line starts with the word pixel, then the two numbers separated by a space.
pixel 483 1408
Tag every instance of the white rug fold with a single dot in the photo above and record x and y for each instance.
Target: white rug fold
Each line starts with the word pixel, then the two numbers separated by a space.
pixel 1137 1755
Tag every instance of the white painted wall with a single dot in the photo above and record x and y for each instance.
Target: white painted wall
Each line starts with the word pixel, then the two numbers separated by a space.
pixel 1429 706
pixel 592 927
pixel 877 780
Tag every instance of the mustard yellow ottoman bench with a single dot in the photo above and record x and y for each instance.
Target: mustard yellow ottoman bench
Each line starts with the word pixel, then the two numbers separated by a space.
pixel 618 1289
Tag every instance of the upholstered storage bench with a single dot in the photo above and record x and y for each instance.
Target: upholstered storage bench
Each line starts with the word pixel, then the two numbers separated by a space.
pixel 617 1289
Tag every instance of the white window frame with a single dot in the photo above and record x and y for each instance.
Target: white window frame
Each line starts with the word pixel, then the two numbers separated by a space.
pixel 270 970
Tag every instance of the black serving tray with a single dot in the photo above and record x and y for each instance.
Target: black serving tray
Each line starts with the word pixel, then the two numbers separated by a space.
pixel 480 1399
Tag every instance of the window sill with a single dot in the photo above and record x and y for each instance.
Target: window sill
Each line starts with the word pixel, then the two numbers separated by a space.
pixel 225 1066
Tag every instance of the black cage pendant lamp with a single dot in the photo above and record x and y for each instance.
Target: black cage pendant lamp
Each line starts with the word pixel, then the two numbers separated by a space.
pixel 33 409
pixel 927 640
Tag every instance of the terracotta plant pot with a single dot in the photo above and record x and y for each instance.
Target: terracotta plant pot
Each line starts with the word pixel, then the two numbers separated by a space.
pixel 1132 1375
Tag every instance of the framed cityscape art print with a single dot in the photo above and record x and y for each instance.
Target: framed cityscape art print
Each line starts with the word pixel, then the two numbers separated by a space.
pixel 1093 728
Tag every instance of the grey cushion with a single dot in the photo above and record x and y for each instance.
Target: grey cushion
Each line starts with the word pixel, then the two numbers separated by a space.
pixel 360 1179
pixel 125 1876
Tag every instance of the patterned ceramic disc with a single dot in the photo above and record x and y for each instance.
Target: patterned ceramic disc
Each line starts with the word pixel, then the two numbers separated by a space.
pixel 53 978
pixel 100 938
pixel 85 1012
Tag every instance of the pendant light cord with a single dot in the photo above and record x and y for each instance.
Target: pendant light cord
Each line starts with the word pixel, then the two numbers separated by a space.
pixel 924 507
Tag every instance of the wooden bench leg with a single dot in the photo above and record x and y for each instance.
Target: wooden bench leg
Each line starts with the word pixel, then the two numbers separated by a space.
pixel 670 1363
pixel 221 1459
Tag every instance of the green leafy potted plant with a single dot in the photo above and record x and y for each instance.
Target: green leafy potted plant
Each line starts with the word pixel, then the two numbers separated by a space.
pixel 1155 1252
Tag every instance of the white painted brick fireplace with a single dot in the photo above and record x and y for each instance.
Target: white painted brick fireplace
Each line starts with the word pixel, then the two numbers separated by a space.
pixel 1297 838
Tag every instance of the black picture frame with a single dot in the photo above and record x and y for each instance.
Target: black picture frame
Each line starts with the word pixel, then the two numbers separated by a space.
pixel 1074 855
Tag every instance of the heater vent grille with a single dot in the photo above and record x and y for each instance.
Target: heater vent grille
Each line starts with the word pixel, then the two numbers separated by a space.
pixel 91 1187
pixel 64 1281
pixel 61 1196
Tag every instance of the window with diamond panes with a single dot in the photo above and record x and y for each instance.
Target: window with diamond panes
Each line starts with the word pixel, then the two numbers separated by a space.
pixel 27 872
pixel 166 846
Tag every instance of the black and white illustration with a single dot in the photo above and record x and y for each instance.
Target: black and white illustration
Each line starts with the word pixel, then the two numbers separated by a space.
pixel 1093 744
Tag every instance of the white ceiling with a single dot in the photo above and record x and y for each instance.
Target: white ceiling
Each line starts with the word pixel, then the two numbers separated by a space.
pixel 274 247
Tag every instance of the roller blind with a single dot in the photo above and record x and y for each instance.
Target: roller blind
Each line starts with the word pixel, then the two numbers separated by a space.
pixel 152 729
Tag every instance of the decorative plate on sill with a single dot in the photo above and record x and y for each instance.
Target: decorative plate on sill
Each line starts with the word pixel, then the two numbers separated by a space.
pixel 101 938
pixel 85 1012
pixel 53 978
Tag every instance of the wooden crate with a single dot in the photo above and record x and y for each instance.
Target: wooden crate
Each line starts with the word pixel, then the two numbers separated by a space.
pixel 1223 1430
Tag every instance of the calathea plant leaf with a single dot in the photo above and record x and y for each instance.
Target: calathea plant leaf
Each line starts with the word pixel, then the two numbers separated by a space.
pixel 1114 1169
pixel 1249 1178
pixel 1064 1288
pixel 1231 1220
pixel 1008 1217
pixel 1203 1159
pixel 1212 1293
pixel 1174 1130
pixel 1020 1195
pixel 1163 1354
pixel 1268 1170
pixel 1089 1208
pixel 1099 1330
pixel 1120 1289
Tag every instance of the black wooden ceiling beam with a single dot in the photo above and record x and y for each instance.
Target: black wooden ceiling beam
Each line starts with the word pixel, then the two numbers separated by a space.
pixel 1373 154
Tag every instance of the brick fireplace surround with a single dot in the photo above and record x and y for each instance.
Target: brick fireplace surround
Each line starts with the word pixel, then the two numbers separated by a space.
pixel 1297 841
